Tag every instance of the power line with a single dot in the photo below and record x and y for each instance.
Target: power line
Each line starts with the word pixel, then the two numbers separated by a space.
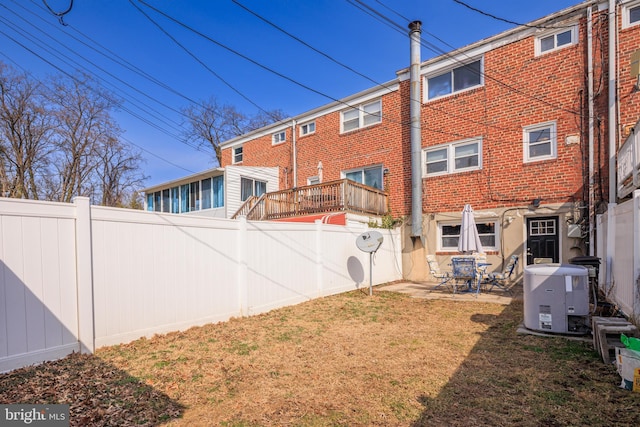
pixel 497 18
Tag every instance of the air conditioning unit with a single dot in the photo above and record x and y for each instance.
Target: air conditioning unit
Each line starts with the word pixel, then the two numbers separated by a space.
pixel 556 298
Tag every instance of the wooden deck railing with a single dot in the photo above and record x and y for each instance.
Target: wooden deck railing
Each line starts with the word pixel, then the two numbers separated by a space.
pixel 334 196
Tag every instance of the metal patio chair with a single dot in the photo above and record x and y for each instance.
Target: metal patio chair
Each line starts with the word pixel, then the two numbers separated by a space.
pixel 443 277
pixel 500 279
pixel 465 272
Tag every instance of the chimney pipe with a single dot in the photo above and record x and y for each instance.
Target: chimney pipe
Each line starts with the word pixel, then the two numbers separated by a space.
pixel 416 140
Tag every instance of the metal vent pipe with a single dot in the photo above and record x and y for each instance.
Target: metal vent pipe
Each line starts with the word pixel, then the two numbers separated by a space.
pixel 416 140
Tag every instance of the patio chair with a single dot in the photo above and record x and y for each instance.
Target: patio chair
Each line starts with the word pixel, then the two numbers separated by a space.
pixel 500 279
pixel 465 272
pixel 443 277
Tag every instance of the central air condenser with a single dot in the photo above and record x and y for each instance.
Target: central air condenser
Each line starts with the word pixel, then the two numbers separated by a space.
pixel 556 298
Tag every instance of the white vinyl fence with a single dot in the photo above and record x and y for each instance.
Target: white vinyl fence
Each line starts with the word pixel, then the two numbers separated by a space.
pixel 618 247
pixel 74 277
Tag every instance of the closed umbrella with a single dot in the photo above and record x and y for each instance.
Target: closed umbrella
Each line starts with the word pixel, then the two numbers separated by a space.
pixel 469 238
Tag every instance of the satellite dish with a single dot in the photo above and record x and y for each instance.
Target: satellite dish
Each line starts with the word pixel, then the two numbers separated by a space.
pixel 369 241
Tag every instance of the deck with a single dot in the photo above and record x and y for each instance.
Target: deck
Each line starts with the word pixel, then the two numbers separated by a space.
pixel 341 195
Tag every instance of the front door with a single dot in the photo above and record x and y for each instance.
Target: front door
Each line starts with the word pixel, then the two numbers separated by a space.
pixel 543 240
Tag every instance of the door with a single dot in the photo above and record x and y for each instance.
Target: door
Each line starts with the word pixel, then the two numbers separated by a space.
pixel 543 240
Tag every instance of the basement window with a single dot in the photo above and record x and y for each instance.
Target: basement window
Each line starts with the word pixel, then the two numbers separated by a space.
pixel 450 235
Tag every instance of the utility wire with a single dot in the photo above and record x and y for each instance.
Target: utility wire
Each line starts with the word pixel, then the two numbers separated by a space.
pixel 198 60
pixel 497 18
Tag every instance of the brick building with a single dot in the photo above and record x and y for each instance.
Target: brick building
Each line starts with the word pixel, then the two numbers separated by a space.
pixel 517 125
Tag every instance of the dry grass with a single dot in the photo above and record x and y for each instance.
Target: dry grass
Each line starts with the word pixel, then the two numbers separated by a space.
pixel 351 360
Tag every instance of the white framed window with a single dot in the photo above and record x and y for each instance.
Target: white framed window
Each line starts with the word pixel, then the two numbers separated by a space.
pixel 540 142
pixel 630 14
pixel 549 42
pixel 237 154
pixel 251 187
pixel 371 176
pixel 278 137
pixel 361 116
pixel 460 156
pixel 313 180
pixel 455 80
pixel 307 128
pixel 449 235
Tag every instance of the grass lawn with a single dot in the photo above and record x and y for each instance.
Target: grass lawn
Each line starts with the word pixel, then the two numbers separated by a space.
pixel 344 360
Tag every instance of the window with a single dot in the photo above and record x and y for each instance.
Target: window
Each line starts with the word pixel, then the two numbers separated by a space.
pixel 251 187
pixel 630 14
pixel 456 157
pixel 175 200
pixel 363 115
pixel 542 227
pixel 206 193
pixel 557 40
pixel 450 235
pixel 218 191
pixel 455 80
pixel 237 154
pixel 540 142
pixel 166 204
pixel 307 128
pixel 150 202
pixel 313 180
pixel 157 201
pixel 184 198
pixel 278 138
pixel 371 176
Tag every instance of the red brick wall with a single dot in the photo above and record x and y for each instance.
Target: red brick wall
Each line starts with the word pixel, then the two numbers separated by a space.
pixel 519 90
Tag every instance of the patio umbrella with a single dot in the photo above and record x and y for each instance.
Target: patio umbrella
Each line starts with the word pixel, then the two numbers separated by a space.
pixel 469 238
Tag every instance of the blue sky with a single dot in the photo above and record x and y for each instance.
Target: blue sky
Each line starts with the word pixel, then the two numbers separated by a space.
pixel 109 38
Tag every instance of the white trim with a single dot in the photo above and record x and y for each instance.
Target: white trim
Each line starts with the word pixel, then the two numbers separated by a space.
pixel 233 155
pixel 496 228
pixel 307 124
pixel 626 13
pixel 449 70
pixel 361 115
pixel 553 139
pixel 538 42
pixel 450 147
pixel 279 137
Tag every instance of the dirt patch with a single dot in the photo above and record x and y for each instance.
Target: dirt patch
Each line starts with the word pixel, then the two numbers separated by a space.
pixel 354 360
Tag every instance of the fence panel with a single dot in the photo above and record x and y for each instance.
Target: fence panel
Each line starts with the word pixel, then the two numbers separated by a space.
pixel 75 277
pixel 620 275
pixel 155 273
pixel 38 302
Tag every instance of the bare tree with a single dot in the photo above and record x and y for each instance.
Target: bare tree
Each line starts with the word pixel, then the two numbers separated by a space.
pixel 119 174
pixel 210 124
pixel 25 127
pixel 59 140
pixel 84 124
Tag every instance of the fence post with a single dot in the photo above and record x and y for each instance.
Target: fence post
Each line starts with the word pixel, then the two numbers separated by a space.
pixel 243 267
pixel 84 275
pixel 319 259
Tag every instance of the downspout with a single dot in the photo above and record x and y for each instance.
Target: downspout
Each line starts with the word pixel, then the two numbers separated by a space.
pixel 591 129
pixel 613 128
pixel 294 154
pixel 416 142
pixel 610 249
